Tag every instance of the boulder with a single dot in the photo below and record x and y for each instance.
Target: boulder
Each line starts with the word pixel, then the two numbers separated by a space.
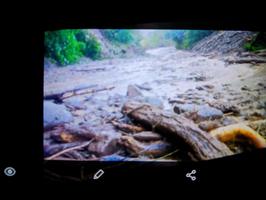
pixel 55 114
pixel 134 93
pixel 206 112
pixel 225 107
pixel 181 108
pixel 202 112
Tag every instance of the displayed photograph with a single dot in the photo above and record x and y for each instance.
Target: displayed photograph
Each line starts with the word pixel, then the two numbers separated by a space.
pixel 154 95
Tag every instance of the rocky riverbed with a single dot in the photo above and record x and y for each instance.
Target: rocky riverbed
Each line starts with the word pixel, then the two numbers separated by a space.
pixel 205 89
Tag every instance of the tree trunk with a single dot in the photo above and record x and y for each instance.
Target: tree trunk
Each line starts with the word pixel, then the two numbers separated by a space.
pixel 59 97
pixel 201 143
pixel 247 60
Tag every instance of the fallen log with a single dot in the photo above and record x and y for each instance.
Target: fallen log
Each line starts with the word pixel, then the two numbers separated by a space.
pixel 203 145
pixel 59 97
pixel 147 136
pixel 246 60
pixel 89 70
pixel 127 127
pixel 137 148
pixel 69 149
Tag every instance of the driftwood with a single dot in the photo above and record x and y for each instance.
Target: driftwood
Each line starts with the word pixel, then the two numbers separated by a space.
pixel 69 134
pixel 127 127
pixel 246 60
pixel 147 136
pixel 137 148
pixel 89 70
pixel 59 97
pixel 69 149
pixel 203 145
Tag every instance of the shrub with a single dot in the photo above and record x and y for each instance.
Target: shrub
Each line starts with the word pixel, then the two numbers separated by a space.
pixel 92 47
pixel 257 43
pixel 118 35
pixel 67 46
pixel 62 46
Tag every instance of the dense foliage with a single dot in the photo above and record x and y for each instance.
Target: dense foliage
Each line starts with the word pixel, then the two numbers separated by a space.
pixel 257 43
pixel 62 46
pixel 67 46
pixel 92 47
pixel 124 36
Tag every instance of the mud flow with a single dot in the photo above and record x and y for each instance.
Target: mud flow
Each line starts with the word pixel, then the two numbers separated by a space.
pixel 163 105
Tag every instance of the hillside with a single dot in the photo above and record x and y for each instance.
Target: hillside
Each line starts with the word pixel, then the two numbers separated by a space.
pixel 224 42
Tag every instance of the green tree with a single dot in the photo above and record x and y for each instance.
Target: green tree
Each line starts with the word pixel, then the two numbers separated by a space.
pixel 92 47
pixel 68 46
pixel 62 46
pixel 123 36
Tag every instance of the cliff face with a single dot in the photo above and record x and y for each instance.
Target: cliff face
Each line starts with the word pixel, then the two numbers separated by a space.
pixel 224 42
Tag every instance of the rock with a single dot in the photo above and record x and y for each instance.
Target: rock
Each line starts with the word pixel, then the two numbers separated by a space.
pixel 260 84
pixel 199 88
pixel 209 86
pixel 202 112
pixel 54 114
pixel 180 108
pixel 75 103
pixel 147 136
pixel 178 101
pixel 196 76
pixel 207 112
pixel 209 125
pixel 226 84
pixel 79 113
pixel 246 88
pixel 225 107
pixel 155 101
pixel 200 78
pixel 217 95
pixel 228 121
pixel 261 105
pixel 133 91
